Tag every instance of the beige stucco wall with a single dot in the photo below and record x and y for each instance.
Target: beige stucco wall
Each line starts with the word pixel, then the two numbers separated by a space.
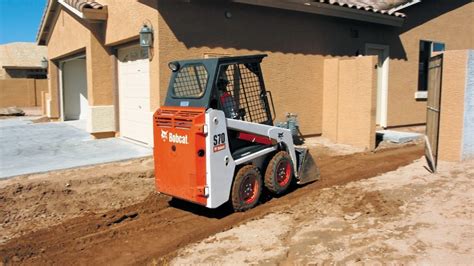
pixel 297 44
pixel 3 73
pixel 41 85
pixel 125 19
pixel 52 97
pixel 68 36
pixel 449 22
pixel 21 92
pixel 330 98
pixel 350 101
pixel 452 105
pixel 100 72
pixel 99 41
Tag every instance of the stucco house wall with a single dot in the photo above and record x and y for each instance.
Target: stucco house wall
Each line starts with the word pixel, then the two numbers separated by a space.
pixel 456 132
pixel 68 37
pixel 350 101
pixel 125 19
pixel 72 36
pixel 297 44
pixel 449 22
pixel 22 92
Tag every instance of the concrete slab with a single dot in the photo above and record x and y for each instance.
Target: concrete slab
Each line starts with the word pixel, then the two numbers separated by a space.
pixel 80 124
pixel 397 136
pixel 27 148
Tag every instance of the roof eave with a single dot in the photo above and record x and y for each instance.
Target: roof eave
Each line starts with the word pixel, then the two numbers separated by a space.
pixel 406 5
pixel 51 14
pixel 22 67
pixel 329 10
pixel 43 31
pixel 86 13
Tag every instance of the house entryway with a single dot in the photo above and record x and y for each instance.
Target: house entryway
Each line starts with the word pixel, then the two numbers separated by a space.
pixel 135 117
pixel 382 52
pixel 75 104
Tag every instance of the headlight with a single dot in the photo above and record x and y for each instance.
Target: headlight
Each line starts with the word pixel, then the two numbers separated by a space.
pixel 174 66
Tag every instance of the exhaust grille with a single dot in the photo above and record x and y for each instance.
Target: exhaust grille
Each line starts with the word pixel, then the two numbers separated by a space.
pixel 175 118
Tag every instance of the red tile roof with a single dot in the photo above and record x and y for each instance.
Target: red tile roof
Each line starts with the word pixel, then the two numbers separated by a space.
pixel 80 5
pixel 368 5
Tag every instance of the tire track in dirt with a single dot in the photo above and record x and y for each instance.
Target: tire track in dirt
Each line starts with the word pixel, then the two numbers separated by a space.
pixel 155 228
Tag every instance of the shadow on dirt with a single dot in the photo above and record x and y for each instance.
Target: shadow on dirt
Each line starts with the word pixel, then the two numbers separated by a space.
pixel 217 213
pixel 226 209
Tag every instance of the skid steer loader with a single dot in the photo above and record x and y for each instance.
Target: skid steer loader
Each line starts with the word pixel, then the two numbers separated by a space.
pixel 214 138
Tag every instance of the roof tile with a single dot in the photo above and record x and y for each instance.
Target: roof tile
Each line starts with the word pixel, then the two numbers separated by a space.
pixel 369 5
pixel 83 4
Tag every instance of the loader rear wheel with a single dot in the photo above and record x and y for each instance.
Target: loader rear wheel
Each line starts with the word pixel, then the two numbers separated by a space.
pixel 279 173
pixel 246 189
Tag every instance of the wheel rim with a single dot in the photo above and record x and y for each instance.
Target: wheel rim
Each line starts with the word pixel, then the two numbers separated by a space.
pixel 249 189
pixel 283 173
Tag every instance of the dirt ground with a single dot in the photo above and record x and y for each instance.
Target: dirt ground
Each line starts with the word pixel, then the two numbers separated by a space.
pixel 33 202
pixel 111 214
pixel 407 216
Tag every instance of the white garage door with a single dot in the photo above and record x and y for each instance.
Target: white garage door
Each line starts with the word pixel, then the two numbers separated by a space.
pixel 75 103
pixel 134 95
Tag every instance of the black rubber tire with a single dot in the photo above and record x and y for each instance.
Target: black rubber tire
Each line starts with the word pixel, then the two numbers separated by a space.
pixel 272 181
pixel 239 202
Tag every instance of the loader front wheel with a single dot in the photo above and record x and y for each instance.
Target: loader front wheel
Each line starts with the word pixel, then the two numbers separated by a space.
pixel 279 173
pixel 246 189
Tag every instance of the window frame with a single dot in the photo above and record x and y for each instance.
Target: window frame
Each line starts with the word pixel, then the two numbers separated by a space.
pixel 173 93
pixel 422 93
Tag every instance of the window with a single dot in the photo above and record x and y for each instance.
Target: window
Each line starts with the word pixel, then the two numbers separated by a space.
pixel 190 82
pixel 242 93
pixel 426 51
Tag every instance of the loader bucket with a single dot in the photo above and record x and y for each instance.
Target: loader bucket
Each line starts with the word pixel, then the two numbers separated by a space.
pixel 308 171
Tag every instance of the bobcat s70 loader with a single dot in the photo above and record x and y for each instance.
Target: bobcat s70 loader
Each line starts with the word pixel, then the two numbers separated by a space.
pixel 214 138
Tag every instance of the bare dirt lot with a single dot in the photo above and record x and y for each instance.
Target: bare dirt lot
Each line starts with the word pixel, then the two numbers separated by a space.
pixel 110 214
pixel 408 216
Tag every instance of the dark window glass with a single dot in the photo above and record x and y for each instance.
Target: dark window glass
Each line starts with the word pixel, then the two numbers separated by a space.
pixel 426 51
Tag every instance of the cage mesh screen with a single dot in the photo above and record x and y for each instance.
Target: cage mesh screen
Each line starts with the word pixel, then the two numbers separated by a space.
pixel 190 82
pixel 243 91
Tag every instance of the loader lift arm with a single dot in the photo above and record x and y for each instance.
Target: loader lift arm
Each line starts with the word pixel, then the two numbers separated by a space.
pixel 280 135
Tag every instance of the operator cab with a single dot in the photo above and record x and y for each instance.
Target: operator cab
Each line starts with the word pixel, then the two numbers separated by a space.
pixel 232 84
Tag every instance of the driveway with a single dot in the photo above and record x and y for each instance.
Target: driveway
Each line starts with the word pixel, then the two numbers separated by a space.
pixel 27 147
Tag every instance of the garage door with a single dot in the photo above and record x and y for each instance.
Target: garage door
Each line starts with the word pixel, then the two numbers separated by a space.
pixel 134 95
pixel 75 103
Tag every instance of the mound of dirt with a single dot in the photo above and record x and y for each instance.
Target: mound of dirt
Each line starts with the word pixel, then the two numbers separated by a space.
pixel 33 202
pixel 404 217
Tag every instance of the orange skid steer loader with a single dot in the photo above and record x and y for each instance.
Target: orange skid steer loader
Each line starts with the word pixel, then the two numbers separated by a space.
pixel 214 138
